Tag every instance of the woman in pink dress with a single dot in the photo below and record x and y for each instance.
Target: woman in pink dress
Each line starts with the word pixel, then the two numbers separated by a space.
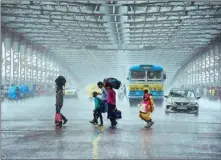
pixel 111 102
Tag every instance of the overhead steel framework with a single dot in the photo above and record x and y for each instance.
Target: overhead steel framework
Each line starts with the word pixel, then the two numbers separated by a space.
pixel 25 63
pixel 204 68
pixel 103 38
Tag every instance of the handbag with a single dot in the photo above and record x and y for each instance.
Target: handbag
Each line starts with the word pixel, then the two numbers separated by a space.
pixel 118 114
pixel 58 118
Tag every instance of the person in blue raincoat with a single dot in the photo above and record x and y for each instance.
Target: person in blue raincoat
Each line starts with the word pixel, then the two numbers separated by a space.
pixel 17 93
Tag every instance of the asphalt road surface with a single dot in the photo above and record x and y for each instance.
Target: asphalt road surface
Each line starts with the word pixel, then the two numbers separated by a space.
pixel 28 131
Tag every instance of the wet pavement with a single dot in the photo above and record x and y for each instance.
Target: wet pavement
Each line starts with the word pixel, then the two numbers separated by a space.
pixel 28 131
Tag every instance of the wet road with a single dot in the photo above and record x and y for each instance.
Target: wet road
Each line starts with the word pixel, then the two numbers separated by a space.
pixel 28 131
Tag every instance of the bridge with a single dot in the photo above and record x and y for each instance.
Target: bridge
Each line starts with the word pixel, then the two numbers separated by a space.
pixel 87 41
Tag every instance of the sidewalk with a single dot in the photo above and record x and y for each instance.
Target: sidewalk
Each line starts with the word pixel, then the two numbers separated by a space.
pixel 213 105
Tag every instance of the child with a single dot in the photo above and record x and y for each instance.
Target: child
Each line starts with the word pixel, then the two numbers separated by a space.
pixel 146 108
pixel 97 110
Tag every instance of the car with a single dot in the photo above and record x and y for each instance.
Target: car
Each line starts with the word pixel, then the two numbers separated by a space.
pixel 71 91
pixel 182 101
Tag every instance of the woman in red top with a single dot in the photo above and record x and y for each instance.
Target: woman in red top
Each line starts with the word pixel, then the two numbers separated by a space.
pixel 111 102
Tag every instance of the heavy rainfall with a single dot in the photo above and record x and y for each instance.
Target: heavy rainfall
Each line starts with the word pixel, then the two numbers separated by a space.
pixel 110 79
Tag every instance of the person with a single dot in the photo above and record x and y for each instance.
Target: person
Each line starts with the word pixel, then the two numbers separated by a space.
pixel 122 93
pixel 213 93
pixel 198 92
pixel 97 110
pixel 204 92
pixel 17 93
pixel 219 93
pixel 2 94
pixel 111 102
pixel 103 93
pixel 146 108
pixel 60 82
pixel 125 91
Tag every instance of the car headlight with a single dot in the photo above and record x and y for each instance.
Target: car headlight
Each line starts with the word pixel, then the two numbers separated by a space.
pixel 194 103
pixel 169 101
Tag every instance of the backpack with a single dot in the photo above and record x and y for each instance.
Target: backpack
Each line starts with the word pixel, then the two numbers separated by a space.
pixel 103 106
pixel 113 82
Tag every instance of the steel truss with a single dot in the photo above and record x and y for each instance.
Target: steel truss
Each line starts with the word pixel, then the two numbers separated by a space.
pixel 24 63
pixel 98 27
pixel 158 32
pixel 202 69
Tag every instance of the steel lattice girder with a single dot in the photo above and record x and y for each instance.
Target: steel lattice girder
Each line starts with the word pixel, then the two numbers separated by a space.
pixel 183 26
pixel 22 63
pixel 7 58
pixel 15 60
pixel 204 68
pixel 22 60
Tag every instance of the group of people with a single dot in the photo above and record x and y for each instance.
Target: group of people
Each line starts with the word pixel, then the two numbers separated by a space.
pixel 211 93
pixel 108 98
pixel 106 101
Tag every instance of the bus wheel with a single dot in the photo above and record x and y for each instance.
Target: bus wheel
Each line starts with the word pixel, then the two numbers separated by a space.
pixel 131 102
pixel 159 102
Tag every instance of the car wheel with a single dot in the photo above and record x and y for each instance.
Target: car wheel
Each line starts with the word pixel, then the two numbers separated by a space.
pixel 166 113
pixel 131 102
pixel 197 113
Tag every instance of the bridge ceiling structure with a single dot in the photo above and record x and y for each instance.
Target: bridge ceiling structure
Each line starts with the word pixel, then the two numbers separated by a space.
pixel 106 37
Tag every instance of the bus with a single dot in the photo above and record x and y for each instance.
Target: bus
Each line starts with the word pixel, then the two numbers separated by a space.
pixel 149 77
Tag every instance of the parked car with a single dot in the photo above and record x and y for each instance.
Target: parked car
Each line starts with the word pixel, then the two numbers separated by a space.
pixel 71 91
pixel 182 101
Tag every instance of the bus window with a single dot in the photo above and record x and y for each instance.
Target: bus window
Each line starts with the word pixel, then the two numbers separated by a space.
pixel 138 75
pixel 154 75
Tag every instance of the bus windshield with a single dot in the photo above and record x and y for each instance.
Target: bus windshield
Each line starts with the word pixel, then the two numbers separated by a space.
pixel 138 75
pixel 146 75
pixel 155 75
